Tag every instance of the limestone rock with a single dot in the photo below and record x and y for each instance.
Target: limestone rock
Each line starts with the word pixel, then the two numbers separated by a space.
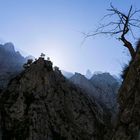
pixel 40 104
pixel 128 127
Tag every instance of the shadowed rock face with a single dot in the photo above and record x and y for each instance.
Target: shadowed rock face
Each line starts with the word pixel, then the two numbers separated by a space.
pixel 10 63
pixel 128 127
pixel 102 87
pixel 107 88
pixel 40 104
pixel 9 58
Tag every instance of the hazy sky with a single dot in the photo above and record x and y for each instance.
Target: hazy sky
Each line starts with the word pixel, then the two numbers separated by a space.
pixel 54 26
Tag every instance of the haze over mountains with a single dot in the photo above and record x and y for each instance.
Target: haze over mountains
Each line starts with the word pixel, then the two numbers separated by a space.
pixel 33 92
pixel 103 87
pixel 42 81
pixel 38 103
pixel 11 63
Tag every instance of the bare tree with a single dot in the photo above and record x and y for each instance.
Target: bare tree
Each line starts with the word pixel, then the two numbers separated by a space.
pixel 42 55
pixel 122 25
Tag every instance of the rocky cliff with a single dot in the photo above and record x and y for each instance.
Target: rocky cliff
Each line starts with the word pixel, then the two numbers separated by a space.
pixel 107 88
pixel 102 87
pixel 11 63
pixel 82 82
pixel 40 104
pixel 88 74
pixel 9 58
pixel 128 126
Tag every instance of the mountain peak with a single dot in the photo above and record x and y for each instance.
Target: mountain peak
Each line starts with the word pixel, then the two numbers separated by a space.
pixel 88 74
pixel 9 47
pixel 42 104
pixel 40 65
pixel 104 77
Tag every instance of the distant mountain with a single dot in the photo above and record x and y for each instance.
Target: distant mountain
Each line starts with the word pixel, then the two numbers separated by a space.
pixel 103 87
pixel 67 74
pixel 108 87
pixel 40 104
pixel 11 63
pixel 82 82
pixel 88 74
pixel 22 52
pixel 103 78
pixel 119 79
pixel 10 60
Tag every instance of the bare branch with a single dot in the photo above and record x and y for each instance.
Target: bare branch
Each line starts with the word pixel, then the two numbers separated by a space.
pixel 132 14
pixel 132 32
pixel 121 26
pixel 107 15
pixel 132 24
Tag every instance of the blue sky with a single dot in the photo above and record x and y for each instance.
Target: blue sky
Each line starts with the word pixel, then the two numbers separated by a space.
pixel 54 26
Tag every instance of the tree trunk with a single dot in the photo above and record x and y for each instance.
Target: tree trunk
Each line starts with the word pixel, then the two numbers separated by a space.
pixel 129 46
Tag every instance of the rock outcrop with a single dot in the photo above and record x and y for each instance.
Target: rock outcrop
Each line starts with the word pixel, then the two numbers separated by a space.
pixel 88 74
pixel 82 82
pixel 128 126
pixel 11 63
pixel 67 74
pixel 102 87
pixel 40 104
pixel 9 58
pixel 107 88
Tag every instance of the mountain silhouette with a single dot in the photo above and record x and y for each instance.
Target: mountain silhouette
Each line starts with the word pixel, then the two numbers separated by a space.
pixel 41 104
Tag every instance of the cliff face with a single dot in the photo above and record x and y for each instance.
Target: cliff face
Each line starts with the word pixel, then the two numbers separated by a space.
pixel 82 82
pixel 102 87
pixel 10 60
pixel 11 63
pixel 107 88
pixel 128 127
pixel 40 104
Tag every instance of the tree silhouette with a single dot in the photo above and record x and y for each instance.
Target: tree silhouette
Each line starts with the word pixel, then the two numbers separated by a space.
pixel 29 62
pixel 48 58
pixel 121 26
pixel 42 55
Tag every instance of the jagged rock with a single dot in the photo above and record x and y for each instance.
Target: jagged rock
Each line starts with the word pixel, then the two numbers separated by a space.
pixel 11 63
pixel 128 126
pixel 88 74
pixel 102 87
pixel 107 87
pixel 82 82
pixel 68 75
pixel 40 104
pixel 9 47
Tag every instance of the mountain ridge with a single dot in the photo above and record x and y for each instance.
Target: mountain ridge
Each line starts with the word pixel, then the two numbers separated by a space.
pixel 128 124
pixel 42 91
pixel 103 87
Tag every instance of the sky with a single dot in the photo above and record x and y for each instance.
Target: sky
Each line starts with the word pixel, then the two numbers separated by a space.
pixel 55 28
